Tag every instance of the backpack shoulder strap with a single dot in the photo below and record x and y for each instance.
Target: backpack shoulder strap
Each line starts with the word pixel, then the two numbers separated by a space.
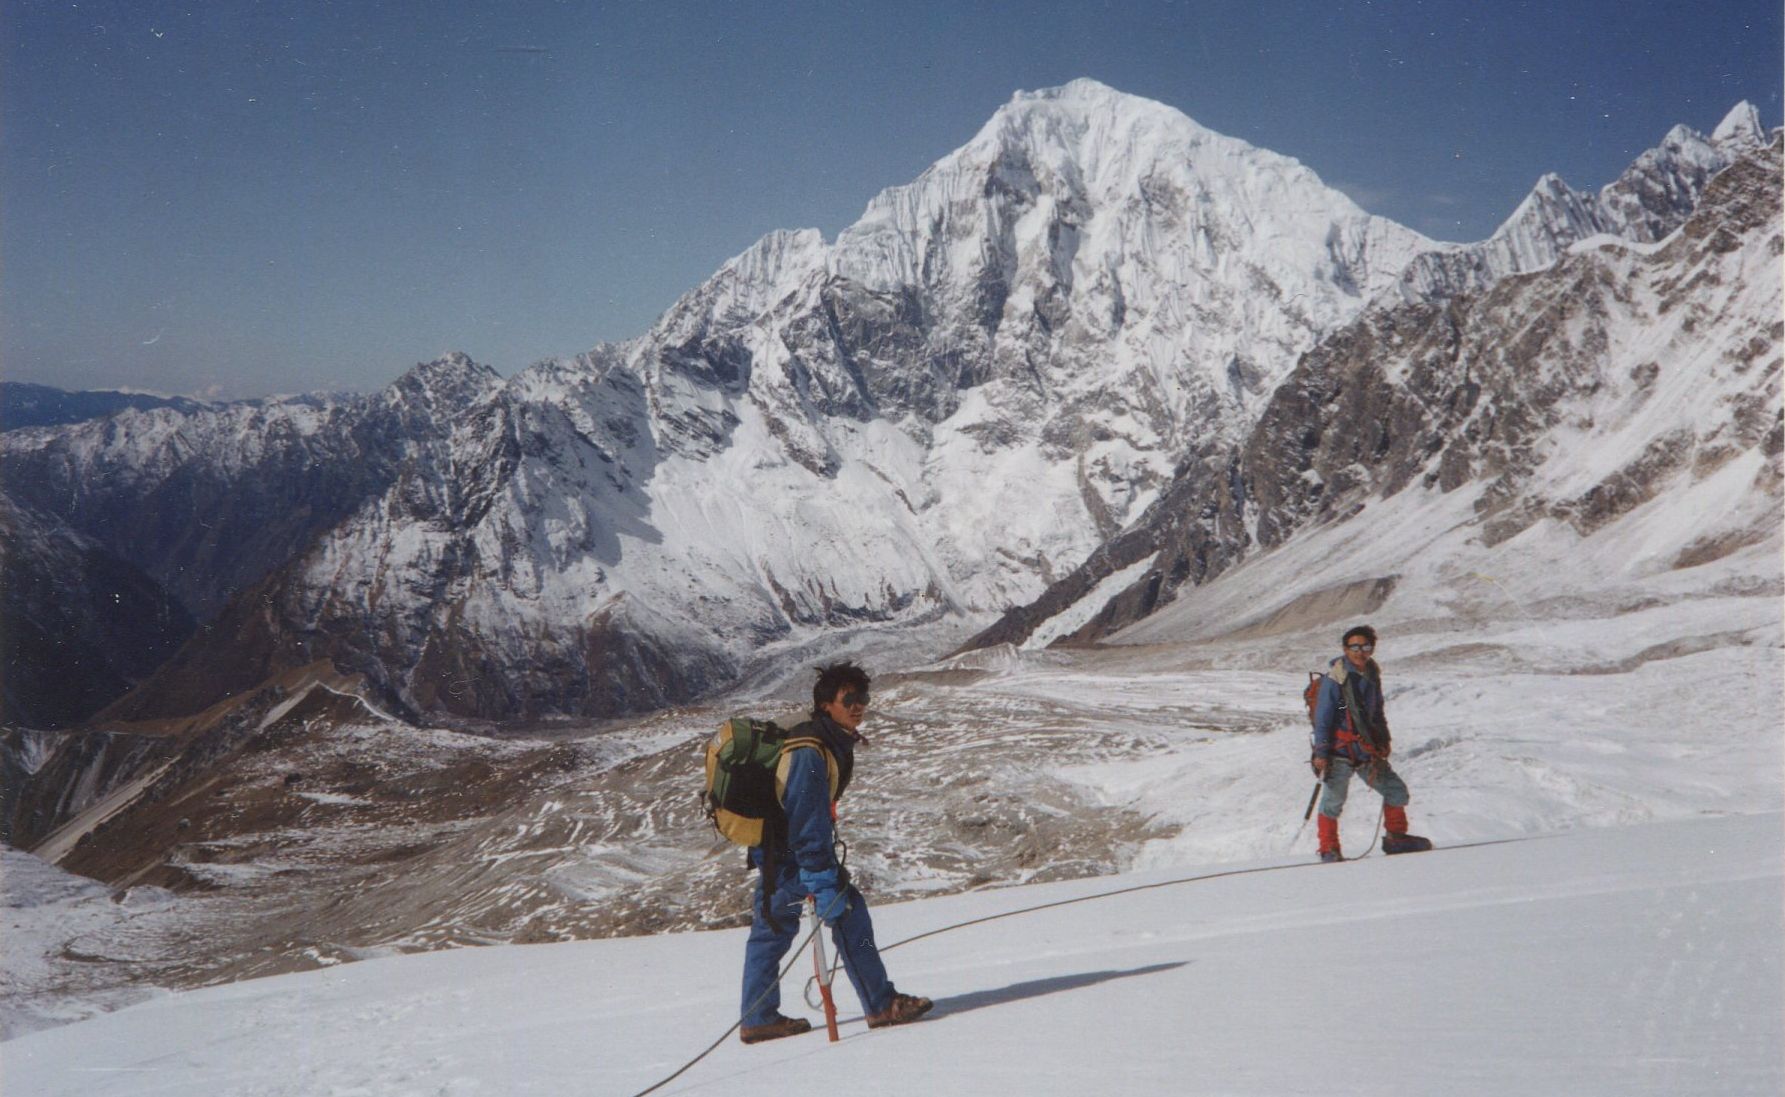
pixel 802 743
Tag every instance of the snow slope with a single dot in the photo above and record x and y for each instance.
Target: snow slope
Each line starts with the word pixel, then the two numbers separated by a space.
pixel 1627 961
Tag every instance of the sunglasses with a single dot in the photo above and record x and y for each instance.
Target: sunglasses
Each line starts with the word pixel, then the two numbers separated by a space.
pixel 1360 647
pixel 855 699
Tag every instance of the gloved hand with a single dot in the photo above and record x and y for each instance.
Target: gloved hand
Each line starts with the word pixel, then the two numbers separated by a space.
pixel 1318 763
pixel 827 887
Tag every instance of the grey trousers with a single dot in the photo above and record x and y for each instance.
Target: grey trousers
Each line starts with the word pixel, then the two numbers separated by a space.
pixel 1380 776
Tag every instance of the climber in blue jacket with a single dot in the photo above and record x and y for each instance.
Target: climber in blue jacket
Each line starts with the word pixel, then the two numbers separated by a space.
pixel 799 859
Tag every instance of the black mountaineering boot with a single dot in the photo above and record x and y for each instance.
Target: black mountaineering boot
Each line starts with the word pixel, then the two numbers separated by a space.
pixel 1405 843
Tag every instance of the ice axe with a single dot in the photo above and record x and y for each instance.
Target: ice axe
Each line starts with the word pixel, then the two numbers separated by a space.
pixel 819 973
pixel 1308 814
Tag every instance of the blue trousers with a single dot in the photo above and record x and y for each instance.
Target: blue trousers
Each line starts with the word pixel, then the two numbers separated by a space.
pixel 1380 777
pixel 853 936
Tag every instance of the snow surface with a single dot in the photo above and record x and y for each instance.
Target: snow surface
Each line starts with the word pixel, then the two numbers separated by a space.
pixel 1627 961
pixel 48 916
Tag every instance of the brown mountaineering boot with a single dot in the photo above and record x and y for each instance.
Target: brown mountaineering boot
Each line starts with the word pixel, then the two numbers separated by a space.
pixel 902 1010
pixel 774 1030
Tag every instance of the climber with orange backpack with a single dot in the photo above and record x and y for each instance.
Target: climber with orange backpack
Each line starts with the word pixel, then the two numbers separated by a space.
pixel 1351 737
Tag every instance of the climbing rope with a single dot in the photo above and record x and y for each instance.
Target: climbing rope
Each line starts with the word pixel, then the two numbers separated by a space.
pixel 723 1036
pixel 1040 907
pixel 963 925
pixel 1375 836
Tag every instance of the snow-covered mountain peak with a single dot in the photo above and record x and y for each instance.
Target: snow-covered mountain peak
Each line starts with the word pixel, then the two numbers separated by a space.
pixel 1048 315
pixel 1740 128
pixel 1090 183
pixel 1085 108
pixel 452 367
pixel 1651 199
pixel 1109 143
pixel 453 380
pixel 1084 89
pixel 743 288
pixel 1081 111
pixel 776 255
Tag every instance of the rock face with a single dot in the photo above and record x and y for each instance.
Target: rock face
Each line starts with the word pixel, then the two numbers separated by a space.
pixel 209 500
pixel 1575 394
pixel 1018 369
pixel 81 625
pixel 49 777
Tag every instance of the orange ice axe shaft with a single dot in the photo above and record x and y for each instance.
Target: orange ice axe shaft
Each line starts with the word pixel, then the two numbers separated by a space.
pixel 818 966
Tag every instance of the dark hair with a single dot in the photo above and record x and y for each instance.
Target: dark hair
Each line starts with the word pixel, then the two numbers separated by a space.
pixel 834 677
pixel 1365 631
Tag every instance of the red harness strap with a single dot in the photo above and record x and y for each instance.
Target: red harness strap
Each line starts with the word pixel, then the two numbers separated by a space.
pixel 1344 737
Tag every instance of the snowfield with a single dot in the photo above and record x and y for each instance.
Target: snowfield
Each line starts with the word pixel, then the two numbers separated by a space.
pixel 1626 961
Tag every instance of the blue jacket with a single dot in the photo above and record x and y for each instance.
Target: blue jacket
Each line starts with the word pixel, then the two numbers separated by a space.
pixel 1334 733
pixel 806 798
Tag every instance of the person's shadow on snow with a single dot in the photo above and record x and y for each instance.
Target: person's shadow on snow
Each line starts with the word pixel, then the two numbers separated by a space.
pixel 1035 988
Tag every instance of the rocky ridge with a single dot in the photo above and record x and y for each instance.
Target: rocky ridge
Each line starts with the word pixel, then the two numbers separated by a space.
pixel 1652 197
pixel 1573 395
pixel 81 625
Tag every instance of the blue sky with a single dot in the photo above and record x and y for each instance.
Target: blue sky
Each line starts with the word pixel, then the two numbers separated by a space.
pixel 242 198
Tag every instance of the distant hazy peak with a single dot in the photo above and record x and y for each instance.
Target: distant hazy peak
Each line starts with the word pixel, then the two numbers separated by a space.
pixel 454 365
pixel 454 377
